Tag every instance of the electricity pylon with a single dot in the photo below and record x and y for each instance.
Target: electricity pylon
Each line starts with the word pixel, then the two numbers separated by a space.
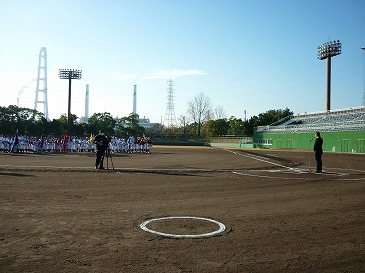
pixel 170 118
pixel 42 82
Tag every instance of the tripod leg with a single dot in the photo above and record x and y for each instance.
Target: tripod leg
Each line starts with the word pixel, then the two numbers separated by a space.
pixel 101 163
pixel 111 159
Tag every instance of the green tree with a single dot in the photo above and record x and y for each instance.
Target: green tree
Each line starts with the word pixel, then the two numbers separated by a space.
pixel 218 127
pixel 27 121
pixel 129 126
pixel 55 127
pixel 266 118
pixel 63 121
pixel 235 126
pixel 102 121
pixel 272 116
pixel 82 129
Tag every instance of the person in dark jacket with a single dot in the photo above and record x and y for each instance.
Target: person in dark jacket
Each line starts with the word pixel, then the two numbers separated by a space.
pixel 318 151
pixel 102 143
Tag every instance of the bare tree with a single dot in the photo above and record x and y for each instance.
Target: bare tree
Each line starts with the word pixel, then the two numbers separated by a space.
pixel 199 109
pixel 219 112
pixel 183 121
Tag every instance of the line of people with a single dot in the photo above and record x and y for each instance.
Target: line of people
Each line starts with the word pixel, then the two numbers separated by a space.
pixel 26 144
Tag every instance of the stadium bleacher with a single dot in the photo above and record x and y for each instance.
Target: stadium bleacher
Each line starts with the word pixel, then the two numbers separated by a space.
pixel 352 119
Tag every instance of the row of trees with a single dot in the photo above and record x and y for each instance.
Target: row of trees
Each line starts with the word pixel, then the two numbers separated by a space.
pixel 33 123
pixel 223 126
pixel 208 122
pixel 201 122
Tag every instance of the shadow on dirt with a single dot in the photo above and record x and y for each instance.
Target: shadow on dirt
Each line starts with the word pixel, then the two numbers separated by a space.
pixel 16 174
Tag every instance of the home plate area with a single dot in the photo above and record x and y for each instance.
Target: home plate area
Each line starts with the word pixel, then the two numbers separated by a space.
pixel 183 227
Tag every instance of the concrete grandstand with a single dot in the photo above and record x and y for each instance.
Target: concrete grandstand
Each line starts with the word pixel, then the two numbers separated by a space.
pixel 342 130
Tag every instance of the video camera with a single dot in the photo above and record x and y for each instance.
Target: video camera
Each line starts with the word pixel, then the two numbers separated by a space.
pixel 106 144
pixel 103 143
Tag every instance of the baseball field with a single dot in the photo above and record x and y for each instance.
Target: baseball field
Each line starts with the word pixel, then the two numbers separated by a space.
pixel 182 209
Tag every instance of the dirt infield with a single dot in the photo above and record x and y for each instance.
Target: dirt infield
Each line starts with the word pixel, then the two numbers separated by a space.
pixel 58 214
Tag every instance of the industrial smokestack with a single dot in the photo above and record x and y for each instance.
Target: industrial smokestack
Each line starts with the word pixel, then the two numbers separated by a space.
pixel 135 100
pixel 87 102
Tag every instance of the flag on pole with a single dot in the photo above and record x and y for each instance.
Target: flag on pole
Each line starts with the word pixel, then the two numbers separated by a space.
pixel 91 140
pixel 16 142
pixel 65 138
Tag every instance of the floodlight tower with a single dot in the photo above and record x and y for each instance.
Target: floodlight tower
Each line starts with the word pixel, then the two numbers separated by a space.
pixel 170 118
pixel 326 51
pixel 42 82
pixel 69 74
pixel 363 79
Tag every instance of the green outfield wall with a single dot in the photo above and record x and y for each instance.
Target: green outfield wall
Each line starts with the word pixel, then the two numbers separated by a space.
pixel 345 142
pixel 231 142
pixel 342 142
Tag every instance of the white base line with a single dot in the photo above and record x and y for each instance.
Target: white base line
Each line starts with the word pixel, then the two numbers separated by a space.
pixel 262 159
pixel 292 170
pixel 266 176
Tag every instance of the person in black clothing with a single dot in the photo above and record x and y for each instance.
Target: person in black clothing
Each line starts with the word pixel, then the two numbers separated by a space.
pixel 318 151
pixel 101 142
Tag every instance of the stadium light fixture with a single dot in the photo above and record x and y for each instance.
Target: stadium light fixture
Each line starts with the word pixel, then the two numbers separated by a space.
pixel 327 51
pixel 69 74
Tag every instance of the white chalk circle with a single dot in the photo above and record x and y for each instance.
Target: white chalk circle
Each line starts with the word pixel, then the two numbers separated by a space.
pixel 221 228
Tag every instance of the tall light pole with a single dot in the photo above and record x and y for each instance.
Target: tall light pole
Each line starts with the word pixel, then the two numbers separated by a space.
pixel 69 74
pixel 326 51
pixel 363 80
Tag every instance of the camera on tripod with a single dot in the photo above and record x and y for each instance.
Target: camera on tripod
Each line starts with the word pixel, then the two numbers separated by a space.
pixel 103 143
pixel 108 153
pixel 108 150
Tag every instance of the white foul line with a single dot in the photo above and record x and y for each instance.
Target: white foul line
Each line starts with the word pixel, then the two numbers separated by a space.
pixel 262 159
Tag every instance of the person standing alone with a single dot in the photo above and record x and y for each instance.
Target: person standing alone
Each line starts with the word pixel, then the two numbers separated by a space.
pixel 318 151
pixel 101 142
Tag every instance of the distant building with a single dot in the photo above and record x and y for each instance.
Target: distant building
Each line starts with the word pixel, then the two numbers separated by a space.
pixel 145 123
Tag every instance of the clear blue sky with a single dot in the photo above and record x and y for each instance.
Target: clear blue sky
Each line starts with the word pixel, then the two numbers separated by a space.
pixel 244 55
